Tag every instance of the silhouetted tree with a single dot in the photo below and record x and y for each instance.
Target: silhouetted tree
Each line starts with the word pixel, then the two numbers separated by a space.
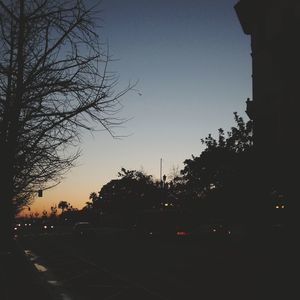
pixel 218 180
pixel 45 214
pixel 93 196
pixel 70 215
pixel 134 190
pixel 63 205
pixel 174 173
pixel 89 205
pixel 53 211
pixel 53 83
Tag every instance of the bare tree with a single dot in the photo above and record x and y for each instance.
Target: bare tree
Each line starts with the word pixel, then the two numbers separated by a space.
pixel 54 82
pixel 174 173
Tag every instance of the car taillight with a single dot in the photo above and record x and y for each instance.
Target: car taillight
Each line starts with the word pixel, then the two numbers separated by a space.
pixel 182 233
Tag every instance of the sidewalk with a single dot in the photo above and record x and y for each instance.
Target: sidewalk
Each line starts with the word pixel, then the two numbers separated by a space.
pixel 19 279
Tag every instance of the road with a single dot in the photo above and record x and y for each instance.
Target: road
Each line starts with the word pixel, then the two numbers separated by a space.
pixel 118 265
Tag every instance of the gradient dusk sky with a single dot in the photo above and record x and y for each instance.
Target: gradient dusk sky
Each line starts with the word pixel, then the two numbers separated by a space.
pixel 193 64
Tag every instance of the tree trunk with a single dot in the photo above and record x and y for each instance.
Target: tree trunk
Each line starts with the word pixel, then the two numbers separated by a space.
pixel 9 143
pixel 6 213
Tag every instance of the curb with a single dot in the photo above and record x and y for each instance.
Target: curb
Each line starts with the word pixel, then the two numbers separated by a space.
pixel 21 279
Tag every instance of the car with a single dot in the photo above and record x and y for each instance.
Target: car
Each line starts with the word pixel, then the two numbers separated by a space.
pixel 47 227
pixel 162 224
pixel 17 229
pixel 20 228
pixel 83 229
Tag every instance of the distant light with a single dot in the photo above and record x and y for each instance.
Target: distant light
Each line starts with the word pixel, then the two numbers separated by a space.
pixel 150 233
pixel 15 228
pixel 277 206
pixel 45 226
pixel 52 226
pixel 282 206
pixel 166 204
pixel 214 230
pixel 182 233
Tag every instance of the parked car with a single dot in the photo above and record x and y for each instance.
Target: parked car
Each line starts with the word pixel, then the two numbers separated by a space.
pixel 83 229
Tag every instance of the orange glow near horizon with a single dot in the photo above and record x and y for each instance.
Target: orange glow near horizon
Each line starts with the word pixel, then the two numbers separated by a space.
pixel 75 194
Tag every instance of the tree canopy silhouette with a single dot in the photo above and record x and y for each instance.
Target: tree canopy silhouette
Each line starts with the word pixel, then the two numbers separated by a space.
pixel 218 179
pixel 133 191
pixel 63 205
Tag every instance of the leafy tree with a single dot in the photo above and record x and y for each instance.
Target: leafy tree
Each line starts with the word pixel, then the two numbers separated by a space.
pixel 63 205
pixel 93 196
pixel 133 191
pixel 219 179
pixel 53 84
pixel 89 205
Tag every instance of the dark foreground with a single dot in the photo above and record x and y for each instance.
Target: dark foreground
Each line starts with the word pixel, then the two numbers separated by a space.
pixel 118 265
pixel 18 277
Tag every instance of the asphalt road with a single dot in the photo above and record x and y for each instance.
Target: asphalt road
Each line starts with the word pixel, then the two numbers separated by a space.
pixel 118 265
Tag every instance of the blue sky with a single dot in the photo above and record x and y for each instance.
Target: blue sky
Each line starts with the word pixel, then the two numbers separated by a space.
pixel 193 66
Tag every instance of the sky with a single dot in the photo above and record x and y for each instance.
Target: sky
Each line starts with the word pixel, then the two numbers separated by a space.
pixel 192 63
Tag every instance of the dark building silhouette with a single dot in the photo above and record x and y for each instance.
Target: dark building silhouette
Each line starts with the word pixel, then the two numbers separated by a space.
pixel 274 27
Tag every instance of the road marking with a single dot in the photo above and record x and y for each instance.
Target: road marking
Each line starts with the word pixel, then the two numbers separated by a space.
pixel 130 283
pixel 30 255
pixel 54 282
pixel 40 268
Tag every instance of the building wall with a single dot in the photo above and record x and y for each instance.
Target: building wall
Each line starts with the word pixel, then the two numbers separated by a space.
pixel 274 28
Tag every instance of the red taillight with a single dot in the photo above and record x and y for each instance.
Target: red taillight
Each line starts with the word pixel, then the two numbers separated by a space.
pixel 182 233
